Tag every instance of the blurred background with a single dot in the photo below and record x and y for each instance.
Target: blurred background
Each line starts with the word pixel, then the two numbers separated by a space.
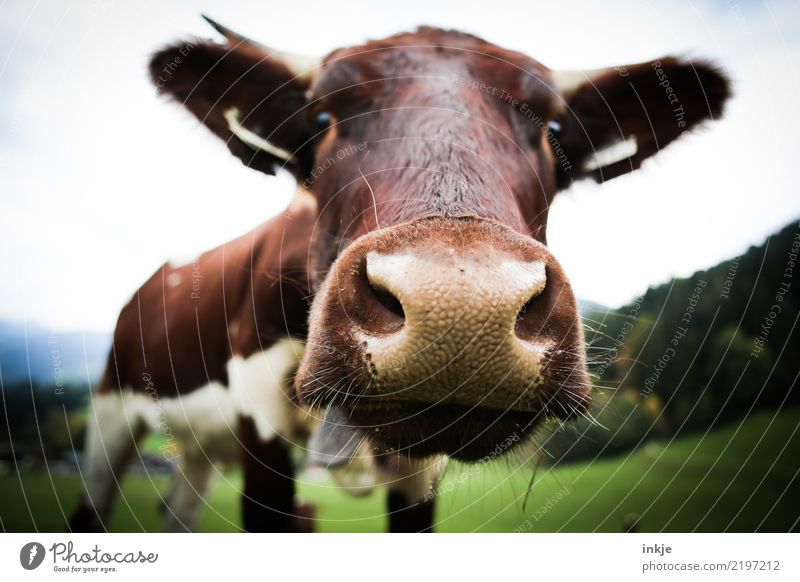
pixel 101 181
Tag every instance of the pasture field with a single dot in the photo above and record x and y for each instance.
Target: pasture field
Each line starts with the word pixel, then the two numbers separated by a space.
pixel 742 477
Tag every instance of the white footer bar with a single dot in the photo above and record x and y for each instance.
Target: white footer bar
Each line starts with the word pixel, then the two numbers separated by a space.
pixel 407 558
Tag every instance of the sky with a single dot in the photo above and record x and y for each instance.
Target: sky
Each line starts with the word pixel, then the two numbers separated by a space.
pixel 101 181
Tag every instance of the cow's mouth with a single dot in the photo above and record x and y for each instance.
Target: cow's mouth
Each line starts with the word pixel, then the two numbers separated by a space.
pixel 464 433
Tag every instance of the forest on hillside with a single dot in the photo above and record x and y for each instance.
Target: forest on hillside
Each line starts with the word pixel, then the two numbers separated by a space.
pixel 693 353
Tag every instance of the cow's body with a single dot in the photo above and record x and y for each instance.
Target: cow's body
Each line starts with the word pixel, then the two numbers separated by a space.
pixel 232 301
pixel 204 354
pixel 407 296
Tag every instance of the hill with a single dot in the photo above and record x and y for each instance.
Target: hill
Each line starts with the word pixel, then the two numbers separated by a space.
pixel 32 353
pixel 694 352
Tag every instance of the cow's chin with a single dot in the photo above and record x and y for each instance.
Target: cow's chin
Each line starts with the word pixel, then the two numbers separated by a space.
pixel 464 433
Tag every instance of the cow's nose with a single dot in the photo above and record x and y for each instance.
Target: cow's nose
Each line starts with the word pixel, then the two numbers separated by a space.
pixel 435 294
pixel 459 312
pixel 452 319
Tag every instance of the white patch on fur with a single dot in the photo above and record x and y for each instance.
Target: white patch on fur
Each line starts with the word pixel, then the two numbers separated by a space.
pixel 174 279
pixel 202 420
pixel 198 419
pixel 257 386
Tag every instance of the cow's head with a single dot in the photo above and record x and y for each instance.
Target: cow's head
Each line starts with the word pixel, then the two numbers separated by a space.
pixel 441 322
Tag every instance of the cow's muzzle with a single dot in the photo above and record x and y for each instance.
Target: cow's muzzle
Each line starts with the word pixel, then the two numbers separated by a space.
pixel 446 326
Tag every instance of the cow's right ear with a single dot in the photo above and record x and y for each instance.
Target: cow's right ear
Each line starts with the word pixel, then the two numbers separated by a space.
pixel 616 118
pixel 245 96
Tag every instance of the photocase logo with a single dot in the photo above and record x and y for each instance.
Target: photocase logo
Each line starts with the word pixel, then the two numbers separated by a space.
pixel 31 555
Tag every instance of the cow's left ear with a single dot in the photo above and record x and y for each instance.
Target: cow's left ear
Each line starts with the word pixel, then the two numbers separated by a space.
pixel 616 118
pixel 247 94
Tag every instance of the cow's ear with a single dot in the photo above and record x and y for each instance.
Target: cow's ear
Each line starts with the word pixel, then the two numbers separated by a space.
pixel 248 99
pixel 616 118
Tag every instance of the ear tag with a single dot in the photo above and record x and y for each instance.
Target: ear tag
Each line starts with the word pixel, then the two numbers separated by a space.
pixel 251 138
pixel 611 154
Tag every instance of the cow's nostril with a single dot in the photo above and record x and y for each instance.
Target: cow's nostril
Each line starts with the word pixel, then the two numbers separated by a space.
pixel 525 310
pixel 388 300
pixel 529 322
pixel 384 275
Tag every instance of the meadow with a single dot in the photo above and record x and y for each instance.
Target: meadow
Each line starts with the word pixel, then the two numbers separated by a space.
pixel 741 478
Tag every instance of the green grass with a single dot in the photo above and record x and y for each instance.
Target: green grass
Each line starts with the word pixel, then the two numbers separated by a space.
pixel 738 478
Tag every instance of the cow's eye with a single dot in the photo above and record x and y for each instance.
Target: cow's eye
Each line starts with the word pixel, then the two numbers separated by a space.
pixel 322 121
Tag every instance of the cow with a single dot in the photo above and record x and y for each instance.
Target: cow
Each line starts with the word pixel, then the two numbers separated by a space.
pixel 405 308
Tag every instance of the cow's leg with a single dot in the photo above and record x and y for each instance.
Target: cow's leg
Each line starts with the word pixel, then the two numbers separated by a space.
pixel 188 489
pixel 406 515
pixel 268 497
pixel 266 417
pixel 411 493
pixel 113 430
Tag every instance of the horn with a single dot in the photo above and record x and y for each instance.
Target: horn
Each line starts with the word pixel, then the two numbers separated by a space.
pixel 303 66
pixel 567 82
